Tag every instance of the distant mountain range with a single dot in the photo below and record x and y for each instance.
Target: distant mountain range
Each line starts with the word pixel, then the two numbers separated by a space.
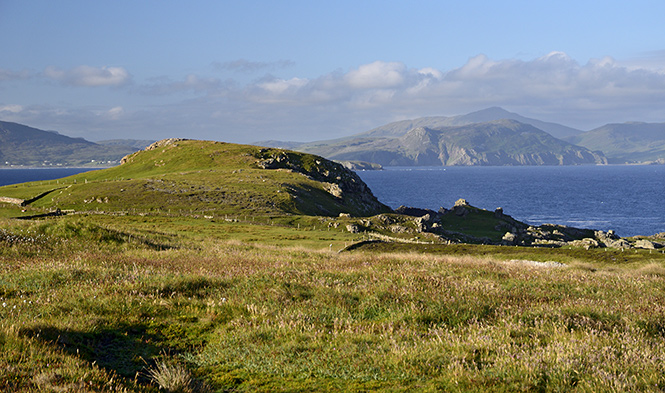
pixel 626 142
pixel 498 142
pixel 21 145
pixel 492 136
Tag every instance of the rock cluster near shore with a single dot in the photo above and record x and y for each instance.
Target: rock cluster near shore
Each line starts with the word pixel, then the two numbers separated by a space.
pixel 518 233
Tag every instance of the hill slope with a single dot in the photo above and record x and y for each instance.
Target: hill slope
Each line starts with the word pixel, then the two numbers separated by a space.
pixel 499 142
pixel 28 146
pixel 627 142
pixel 209 178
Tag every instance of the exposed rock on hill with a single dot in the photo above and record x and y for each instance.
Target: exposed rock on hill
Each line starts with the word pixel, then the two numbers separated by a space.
pixel 340 182
pixel 361 166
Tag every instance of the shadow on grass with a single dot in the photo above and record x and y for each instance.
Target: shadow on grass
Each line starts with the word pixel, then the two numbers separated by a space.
pixel 126 349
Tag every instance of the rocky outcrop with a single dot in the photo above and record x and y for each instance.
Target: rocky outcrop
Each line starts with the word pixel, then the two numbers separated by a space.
pixel 510 232
pixel 360 165
pixel 342 183
pixel 159 144
pixel 509 239
pixel 647 244
pixel 164 143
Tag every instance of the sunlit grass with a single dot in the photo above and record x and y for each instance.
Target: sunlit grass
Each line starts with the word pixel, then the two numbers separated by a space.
pixel 88 308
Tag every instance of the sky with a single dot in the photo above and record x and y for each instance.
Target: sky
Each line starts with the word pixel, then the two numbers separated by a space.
pixel 247 71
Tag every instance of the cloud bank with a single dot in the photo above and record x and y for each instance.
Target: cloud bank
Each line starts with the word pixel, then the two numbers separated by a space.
pixel 553 87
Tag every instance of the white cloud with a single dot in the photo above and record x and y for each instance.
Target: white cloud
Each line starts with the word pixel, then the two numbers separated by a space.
pixel 114 113
pixel 477 67
pixel 89 76
pixel 375 75
pixel 280 86
pixel 11 109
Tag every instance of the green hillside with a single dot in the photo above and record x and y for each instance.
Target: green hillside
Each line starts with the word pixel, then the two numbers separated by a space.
pixel 209 178
pixel 21 145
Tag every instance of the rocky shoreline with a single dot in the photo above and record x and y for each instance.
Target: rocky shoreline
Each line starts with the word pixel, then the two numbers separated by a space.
pixel 517 233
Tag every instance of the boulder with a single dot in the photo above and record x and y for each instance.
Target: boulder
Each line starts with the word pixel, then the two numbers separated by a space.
pixel 509 239
pixel 587 243
pixel 353 228
pixel 461 202
pixel 619 243
pixel 335 190
pixel 385 219
pixel 399 229
pixel 423 223
pixel 460 207
pixel 603 236
pixel 646 244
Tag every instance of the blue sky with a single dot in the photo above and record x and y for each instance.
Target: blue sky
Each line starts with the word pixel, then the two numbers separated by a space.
pixel 244 71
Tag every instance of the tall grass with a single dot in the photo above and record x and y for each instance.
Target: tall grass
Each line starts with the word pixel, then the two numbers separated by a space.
pixel 245 317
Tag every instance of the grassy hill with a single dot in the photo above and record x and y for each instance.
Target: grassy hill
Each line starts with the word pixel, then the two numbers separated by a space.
pixel 209 178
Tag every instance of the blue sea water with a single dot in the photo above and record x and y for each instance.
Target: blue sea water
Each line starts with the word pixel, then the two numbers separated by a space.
pixel 627 199
pixel 22 175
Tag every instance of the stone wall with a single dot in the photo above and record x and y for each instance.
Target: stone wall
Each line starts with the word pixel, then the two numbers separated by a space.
pixel 14 201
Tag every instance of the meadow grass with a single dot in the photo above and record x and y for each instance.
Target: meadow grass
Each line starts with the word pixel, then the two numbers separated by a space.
pixel 86 307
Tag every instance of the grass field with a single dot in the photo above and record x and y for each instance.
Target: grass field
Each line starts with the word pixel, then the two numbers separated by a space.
pixel 159 303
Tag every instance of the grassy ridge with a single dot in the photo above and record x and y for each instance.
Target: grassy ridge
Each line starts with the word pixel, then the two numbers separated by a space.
pixel 97 306
pixel 200 177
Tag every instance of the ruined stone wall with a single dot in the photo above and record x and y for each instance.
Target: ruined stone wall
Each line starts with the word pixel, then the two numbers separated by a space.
pixel 14 201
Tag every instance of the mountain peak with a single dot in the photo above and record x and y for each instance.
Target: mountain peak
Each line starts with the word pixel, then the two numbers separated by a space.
pixel 493 112
pixel 497 113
